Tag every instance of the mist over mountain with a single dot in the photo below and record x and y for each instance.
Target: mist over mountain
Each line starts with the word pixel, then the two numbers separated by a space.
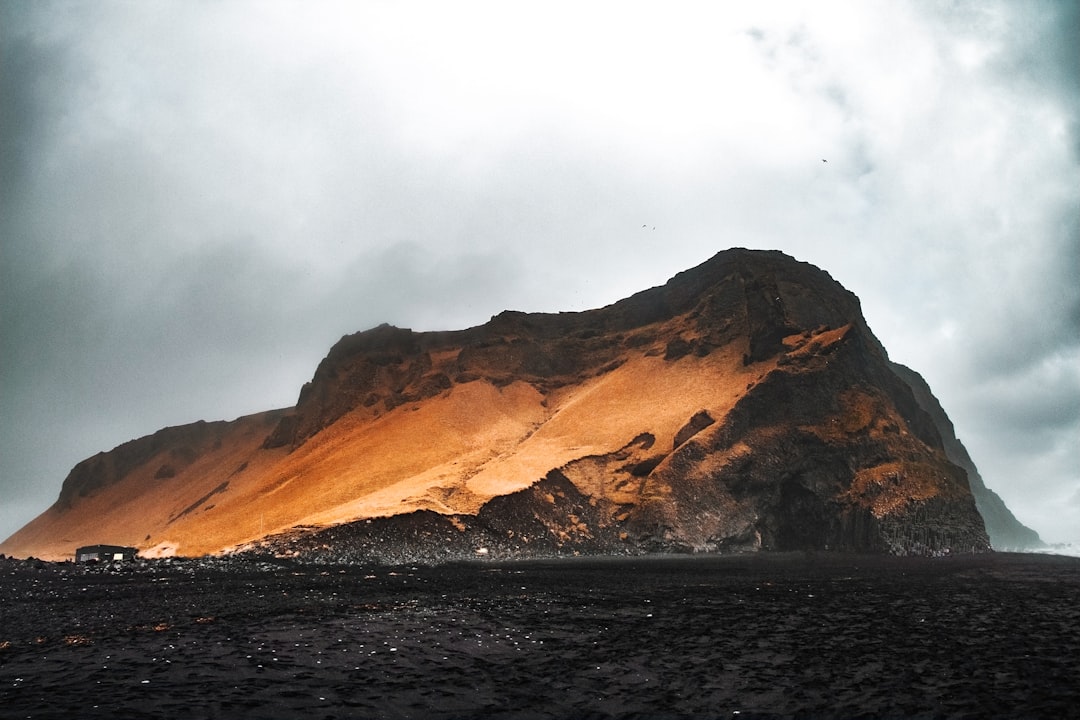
pixel 744 405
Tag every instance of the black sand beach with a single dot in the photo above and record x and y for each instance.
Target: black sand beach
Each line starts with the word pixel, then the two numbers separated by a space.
pixel 792 635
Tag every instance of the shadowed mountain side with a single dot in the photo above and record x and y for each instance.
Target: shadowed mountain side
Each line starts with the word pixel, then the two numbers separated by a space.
pixel 1004 530
pixel 743 405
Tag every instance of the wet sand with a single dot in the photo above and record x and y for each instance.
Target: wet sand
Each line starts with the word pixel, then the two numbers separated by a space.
pixel 792 635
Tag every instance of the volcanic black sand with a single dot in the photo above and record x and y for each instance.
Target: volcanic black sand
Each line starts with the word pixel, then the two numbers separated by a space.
pixel 993 635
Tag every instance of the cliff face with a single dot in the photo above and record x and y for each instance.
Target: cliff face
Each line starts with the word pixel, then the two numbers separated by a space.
pixel 744 405
pixel 1004 530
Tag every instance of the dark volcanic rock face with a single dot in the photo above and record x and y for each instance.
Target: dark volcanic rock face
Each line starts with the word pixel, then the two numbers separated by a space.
pixel 1004 530
pixel 827 452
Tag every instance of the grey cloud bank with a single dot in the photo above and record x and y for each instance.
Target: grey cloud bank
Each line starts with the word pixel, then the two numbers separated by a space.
pixel 197 200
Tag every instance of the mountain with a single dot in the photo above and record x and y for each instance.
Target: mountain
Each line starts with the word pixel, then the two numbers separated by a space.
pixel 744 405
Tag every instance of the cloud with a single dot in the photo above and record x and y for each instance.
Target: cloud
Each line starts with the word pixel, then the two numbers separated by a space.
pixel 201 198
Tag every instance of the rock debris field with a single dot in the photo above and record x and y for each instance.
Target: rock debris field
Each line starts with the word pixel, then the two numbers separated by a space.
pixel 812 635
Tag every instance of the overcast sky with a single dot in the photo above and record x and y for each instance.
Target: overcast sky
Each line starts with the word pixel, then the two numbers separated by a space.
pixel 197 199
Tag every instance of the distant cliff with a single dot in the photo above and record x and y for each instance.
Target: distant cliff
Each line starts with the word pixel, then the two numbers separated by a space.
pixel 744 405
pixel 1005 531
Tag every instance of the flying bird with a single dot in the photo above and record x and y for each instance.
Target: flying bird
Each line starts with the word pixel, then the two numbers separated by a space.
pixel 824 160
